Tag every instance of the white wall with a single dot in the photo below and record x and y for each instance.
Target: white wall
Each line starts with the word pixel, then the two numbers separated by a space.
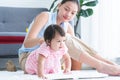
pixel 26 3
pixel 101 30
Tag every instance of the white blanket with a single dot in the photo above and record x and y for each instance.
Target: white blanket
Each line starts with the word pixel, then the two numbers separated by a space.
pixel 82 74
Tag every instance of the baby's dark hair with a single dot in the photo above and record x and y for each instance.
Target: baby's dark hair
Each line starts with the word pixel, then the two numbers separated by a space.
pixel 51 30
pixel 75 1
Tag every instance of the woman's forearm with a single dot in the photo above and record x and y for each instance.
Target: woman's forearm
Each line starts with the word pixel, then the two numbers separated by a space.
pixel 33 42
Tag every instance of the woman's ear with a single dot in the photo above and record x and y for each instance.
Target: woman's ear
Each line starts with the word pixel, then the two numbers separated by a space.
pixel 59 4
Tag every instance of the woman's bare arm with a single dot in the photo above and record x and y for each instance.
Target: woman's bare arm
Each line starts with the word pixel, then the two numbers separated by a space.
pixel 32 40
pixel 70 29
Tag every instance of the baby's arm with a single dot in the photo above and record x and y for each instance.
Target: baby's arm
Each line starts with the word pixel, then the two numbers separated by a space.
pixel 67 61
pixel 41 60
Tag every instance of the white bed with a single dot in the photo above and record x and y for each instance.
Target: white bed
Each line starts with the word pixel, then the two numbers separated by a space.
pixel 75 75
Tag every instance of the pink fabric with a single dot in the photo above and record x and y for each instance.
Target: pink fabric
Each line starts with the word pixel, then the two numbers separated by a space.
pixel 52 62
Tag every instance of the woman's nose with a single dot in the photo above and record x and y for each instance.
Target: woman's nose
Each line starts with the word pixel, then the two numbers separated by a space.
pixel 69 14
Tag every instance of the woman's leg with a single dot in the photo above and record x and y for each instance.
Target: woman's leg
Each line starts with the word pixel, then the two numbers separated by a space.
pixel 99 65
pixel 22 60
pixel 79 51
pixel 75 47
pixel 76 65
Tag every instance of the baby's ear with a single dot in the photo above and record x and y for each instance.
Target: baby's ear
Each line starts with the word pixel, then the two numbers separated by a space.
pixel 48 42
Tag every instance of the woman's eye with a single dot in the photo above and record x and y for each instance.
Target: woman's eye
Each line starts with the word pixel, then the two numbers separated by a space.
pixel 58 41
pixel 73 13
pixel 66 9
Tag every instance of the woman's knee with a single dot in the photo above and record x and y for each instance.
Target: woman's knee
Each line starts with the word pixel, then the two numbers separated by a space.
pixel 22 60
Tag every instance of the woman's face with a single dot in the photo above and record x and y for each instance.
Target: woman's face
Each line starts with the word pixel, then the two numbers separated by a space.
pixel 57 42
pixel 67 11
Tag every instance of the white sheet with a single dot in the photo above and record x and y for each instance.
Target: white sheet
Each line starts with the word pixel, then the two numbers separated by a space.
pixel 82 74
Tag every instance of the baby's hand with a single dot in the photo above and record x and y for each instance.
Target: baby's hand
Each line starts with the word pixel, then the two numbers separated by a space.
pixel 42 77
pixel 67 71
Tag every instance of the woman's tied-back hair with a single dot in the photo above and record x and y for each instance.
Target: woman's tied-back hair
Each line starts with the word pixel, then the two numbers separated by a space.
pixel 50 32
pixel 75 1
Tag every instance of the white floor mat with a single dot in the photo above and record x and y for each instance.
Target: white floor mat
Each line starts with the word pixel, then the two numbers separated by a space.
pixel 82 74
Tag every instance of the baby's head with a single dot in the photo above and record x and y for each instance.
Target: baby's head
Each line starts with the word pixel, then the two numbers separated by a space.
pixel 54 36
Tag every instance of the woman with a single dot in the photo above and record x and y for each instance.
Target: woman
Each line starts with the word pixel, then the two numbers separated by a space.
pixel 78 51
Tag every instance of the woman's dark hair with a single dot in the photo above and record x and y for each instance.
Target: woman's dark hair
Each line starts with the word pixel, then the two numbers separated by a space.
pixel 75 1
pixel 51 30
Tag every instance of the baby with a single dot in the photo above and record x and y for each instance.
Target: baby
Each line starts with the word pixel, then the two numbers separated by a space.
pixel 46 58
